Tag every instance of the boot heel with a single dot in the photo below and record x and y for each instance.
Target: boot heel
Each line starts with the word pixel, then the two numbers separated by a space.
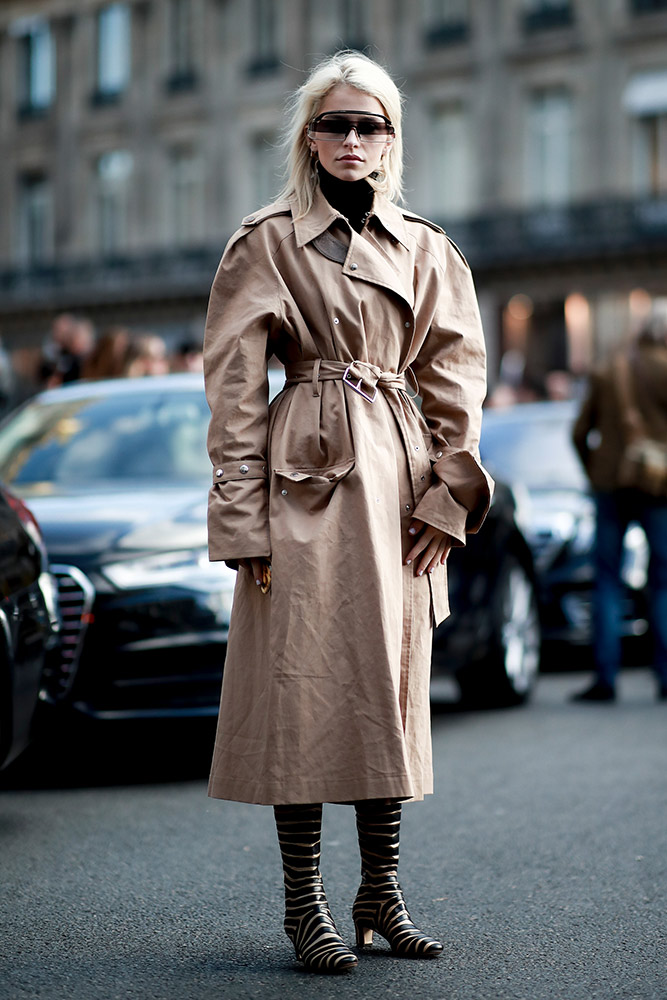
pixel 364 936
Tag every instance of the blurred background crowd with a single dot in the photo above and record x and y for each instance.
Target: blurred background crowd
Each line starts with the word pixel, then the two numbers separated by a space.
pixel 73 350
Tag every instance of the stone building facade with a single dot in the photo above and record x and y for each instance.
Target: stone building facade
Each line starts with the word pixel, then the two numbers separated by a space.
pixel 136 134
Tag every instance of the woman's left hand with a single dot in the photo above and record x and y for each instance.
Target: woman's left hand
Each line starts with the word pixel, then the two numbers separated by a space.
pixel 431 547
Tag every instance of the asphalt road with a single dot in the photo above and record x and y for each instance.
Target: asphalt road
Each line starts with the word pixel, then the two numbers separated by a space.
pixel 541 862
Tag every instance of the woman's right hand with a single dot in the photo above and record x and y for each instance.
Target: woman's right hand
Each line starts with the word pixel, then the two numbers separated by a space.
pixel 260 569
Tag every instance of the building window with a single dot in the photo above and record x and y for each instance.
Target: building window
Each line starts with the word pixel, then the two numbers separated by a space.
pixel 264 14
pixel 353 24
pixel 447 21
pixel 182 74
pixel 186 197
pixel 649 159
pixel 549 147
pixel 647 6
pixel 36 65
pixel 452 193
pixel 113 51
pixel 35 219
pixel 114 174
pixel 645 100
pixel 541 15
pixel 265 168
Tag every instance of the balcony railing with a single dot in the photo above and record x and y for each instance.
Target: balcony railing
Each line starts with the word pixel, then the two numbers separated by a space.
pixel 600 230
pixel 576 235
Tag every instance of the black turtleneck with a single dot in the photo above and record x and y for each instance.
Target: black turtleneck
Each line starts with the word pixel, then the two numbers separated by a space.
pixel 353 199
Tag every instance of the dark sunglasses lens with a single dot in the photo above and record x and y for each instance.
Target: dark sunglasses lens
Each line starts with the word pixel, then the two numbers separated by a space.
pixel 340 126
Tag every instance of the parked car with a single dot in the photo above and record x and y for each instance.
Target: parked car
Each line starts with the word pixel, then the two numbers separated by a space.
pixel 28 623
pixel 530 446
pixel 118 475
pixel 491 641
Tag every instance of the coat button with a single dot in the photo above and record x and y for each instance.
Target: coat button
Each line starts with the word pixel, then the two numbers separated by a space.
pixel 295 475
pixel 336 321
pixel 219 472
pixel 243 469
pixel 416 447
pixel 438 454
pixel 284 492
pixel 408 507
pixel 353 267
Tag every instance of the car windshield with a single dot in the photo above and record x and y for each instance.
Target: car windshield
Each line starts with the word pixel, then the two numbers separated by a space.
pixel 112 439
pixel 534 451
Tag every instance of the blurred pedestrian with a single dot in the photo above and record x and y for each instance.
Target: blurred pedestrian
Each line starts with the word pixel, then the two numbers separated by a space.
pixel 109 357
pixel 72 339
pixel 340 502
pixel 147 355
pixel 188 357
pixel 621 437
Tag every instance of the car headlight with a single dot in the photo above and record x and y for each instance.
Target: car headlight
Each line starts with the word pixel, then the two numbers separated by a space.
pixel 188 568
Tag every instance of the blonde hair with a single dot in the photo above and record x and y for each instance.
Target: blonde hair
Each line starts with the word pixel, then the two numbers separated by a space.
pixel 354 70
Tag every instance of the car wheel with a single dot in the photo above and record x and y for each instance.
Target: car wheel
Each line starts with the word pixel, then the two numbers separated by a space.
pixel 507 673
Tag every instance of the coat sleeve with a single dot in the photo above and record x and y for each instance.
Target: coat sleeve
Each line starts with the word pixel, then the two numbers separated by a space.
pixel 585 422
pixel 243 314
pixel 451 371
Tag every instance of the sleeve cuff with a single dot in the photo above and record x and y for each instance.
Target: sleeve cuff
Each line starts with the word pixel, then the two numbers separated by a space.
pixel 458 501
pixel 238 520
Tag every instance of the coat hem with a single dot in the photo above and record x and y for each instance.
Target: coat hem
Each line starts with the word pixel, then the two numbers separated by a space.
pixel 387 787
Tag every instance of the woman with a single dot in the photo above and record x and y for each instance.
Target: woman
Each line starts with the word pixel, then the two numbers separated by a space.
pixel 340 501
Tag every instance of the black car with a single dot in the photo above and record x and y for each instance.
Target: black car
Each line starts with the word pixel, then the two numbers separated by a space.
pixel 28 623
pixel 530 446
pixel 117 473
pixel 491 641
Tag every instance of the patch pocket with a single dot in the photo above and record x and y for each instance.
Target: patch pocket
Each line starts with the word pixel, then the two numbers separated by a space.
pixel 312 488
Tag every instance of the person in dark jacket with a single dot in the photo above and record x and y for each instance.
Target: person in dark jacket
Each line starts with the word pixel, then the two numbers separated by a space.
pixel 626 402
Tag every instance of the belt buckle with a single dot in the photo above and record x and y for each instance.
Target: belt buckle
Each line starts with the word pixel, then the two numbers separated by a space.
pixel 348 380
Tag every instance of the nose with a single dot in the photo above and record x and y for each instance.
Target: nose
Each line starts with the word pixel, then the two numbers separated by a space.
pixel 352 137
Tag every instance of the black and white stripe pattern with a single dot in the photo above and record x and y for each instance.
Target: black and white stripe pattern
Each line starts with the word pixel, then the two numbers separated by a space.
pixel 308 921
pixel 379 905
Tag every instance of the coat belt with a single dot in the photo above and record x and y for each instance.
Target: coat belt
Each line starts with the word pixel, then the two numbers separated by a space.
pixel 360 376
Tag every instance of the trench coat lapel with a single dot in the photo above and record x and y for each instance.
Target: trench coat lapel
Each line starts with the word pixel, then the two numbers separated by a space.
pixel 364 261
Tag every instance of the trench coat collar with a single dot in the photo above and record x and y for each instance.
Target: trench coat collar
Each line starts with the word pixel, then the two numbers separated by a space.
pixel 321 215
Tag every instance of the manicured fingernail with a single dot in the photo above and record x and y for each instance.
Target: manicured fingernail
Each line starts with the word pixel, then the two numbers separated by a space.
pixel 412 531
pixel 421 572
pixel 258 582
pixel 408 561
pixel 431 569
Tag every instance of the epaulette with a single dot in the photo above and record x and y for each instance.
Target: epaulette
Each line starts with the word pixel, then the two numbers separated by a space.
pixel 268 212
pixel 411 217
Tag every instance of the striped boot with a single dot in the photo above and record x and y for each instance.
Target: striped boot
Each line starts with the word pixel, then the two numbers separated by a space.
pixel 308 922
pixel 379 905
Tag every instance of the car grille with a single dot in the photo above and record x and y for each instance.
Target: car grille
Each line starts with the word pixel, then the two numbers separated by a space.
pixel 76 596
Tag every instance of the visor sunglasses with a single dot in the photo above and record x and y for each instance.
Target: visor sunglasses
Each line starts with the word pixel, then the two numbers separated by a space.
pixel 334 126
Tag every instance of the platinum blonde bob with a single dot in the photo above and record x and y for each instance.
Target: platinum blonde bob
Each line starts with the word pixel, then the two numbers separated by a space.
pixel 354 70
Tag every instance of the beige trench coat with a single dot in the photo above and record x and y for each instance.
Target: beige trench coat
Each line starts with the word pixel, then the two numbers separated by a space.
pixel 326 684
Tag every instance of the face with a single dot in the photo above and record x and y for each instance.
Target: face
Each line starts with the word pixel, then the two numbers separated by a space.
pixel 350 159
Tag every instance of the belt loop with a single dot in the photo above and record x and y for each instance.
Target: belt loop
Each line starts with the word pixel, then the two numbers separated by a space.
pixel 316 375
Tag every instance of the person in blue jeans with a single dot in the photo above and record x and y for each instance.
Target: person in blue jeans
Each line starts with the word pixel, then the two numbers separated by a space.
pixel 626 400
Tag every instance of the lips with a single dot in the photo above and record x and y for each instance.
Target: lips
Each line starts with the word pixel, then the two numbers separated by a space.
pixel 352 159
